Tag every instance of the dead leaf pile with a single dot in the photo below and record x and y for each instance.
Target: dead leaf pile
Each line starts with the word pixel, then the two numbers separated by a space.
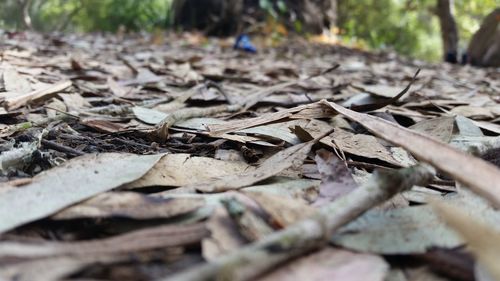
pixel 121 159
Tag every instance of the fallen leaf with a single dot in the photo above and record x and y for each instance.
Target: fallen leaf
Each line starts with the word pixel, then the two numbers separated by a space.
pixel 54 190
pixel 314 110
pixel 407 230
pixel 182 170
pixel 117 89
pixel 75 102
pixel 480 237
pixel 331 265
pixel 336 179
pixel 411 229
pixel 224 235
pixel 289 157
pixel 148 116
pixel 480 176
pixel 16 83
pixel 50 269
pixel 130 205
pixel 356 144
pixel 474 112
pixel 283 211
pixel 304 189
pixel 139 240
pixel 104 126
pixel 251 224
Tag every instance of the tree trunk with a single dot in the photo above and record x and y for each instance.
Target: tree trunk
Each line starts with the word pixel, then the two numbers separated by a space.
pixel 214 17
pixel 226 17
pixel 449 31
pixel 331 12
pixel 25 8
pixel 315 15
pixel 484 47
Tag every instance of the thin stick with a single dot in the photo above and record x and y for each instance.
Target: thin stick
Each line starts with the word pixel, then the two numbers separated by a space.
pixel 62 148
pixel 162 128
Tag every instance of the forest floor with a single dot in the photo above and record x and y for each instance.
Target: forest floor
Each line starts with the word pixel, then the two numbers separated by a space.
pixel 176 157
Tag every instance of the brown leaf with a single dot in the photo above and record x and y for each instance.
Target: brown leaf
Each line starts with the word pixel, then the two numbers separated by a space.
pixel 182 169
pixel 481 238
pixel 145 239
pixel 130 205
pixel 103 126
pixel 224 235
pixel 314 110
pixel 292 156
pixel 332 265
pixel 283 211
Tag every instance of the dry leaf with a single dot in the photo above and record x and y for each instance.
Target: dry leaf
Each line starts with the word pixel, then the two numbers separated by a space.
pixel 332 265
pixel 479 175
pixel 56 189
pixel 290 157
pixel 481 238
pixel 224 235
pixel 336 179
pixel 130 205
pixel 283 211
pixel 182 169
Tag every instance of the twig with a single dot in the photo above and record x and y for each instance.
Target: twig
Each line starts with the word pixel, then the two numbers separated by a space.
pixel 310 234
pixel 62 148
pixel 19 101
pixel 62 112
pixel 186 113
pixel 365 165
pixel 371 107
pixel 218 87
pixel 254 98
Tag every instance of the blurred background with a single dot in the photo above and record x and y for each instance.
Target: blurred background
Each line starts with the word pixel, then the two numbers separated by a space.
pixel 432 30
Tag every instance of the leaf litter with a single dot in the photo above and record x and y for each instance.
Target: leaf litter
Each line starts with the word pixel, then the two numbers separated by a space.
pixel 186 162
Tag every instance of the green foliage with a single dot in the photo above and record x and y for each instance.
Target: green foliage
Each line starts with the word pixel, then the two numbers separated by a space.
pixel 89 15
pixel 273 8
pixel 409 27
pixel 391 23
pixel 109 15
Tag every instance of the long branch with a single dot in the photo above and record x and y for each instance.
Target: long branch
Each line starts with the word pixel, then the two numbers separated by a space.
pixel 309 234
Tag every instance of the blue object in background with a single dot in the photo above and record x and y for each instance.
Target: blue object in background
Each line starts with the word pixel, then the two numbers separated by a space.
pixel 243 43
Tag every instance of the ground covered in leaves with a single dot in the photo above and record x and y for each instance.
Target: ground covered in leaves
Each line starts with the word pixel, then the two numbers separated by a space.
pixel 175 158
